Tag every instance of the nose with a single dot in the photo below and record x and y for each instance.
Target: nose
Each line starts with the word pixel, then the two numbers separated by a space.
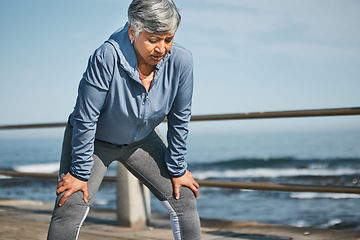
pixel 161 47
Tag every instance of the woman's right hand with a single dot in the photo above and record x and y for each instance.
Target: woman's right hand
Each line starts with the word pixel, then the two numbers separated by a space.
pixel 71 184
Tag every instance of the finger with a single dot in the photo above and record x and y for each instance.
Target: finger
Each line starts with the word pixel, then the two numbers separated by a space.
pixel 60 190
pixel 60 184
pixel 65 197
pixel 196 184
pixel 86 195
pixel 177 192
pixel 195 190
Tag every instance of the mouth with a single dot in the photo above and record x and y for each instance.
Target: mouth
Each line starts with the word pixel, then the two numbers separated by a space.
pixel 157 58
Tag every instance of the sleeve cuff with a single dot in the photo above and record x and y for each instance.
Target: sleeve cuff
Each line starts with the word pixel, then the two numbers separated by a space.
pixel 177 175
pixel 78 177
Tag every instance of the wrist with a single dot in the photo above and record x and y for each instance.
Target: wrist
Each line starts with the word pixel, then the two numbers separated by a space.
pixel 78 177
pixel 178 175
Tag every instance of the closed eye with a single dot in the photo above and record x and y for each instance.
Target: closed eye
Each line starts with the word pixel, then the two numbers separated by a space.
pixel 169 40
pixel 153 40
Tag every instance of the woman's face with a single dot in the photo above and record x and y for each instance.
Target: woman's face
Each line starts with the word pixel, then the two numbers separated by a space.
pixel 150 48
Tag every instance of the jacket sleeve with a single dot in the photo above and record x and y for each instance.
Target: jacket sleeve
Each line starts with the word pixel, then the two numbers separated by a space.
pixel 92 92
pixel 178 119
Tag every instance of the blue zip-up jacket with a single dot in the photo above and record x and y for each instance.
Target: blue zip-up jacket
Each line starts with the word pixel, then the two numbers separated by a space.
pixel 114 106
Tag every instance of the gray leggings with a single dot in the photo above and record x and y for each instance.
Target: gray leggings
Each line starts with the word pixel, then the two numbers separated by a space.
pixel 144 159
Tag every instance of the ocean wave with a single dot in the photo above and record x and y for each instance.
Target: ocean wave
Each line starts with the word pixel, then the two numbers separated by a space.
pixel 4 177
pixel 272 172
pixel 300 223
pixel 101 202
pixel 281 162
pixel 39 168
pixel 314 195
pixel 331 223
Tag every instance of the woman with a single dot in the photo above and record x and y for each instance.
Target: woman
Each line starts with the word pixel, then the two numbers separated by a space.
pixel 132 82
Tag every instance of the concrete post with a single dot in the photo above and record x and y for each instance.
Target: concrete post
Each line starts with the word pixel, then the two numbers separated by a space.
pixel 133 200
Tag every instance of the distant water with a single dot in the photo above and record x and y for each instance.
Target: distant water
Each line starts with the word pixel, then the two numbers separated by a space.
pixel 316 158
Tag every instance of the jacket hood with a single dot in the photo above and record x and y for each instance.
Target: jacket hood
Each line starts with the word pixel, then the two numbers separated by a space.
pixel 127 58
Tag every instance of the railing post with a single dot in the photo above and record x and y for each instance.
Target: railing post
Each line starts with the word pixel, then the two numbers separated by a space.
pixel 133 200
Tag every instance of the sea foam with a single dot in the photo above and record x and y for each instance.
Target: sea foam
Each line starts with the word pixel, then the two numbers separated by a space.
pixel 312 195
pixel 39 168
pixel 272 172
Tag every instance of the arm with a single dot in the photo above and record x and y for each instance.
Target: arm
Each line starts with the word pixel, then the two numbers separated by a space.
pixel 178 119
pixel 91 97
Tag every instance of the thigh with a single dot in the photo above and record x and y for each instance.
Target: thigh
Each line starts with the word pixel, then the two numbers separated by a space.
pixel 145 160
pixel 104 154
pixel 65 160
pixel 67 219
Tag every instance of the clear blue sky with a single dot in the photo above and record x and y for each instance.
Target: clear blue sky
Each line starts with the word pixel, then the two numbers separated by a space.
pixel 249 56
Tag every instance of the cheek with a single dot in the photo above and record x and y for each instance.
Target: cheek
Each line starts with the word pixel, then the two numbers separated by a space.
pixel 148 50
pixel 142 48
pixel 168 47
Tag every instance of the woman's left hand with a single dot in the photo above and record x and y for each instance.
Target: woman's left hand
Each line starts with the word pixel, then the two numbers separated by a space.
pixel 186 180
pixel 69 185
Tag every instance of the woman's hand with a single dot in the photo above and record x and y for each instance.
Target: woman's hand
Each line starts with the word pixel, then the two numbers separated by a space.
pixel 186 180
pixel 71 184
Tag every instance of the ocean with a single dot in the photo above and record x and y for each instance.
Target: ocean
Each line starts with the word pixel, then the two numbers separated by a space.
pixel 327 158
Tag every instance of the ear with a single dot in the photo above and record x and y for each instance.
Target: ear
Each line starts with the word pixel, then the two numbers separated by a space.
pixel 131 33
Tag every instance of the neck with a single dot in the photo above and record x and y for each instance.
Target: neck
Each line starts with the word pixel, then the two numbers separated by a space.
pixel 146 70
pixel 143 66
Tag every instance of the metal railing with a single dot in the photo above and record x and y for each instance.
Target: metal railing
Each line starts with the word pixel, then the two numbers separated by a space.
pixel 233 116
pixel 221 184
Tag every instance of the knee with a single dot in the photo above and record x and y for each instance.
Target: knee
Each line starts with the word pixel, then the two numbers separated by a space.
pixel 67 220
pixel 186 202
pixel 187 197
pixel 72 208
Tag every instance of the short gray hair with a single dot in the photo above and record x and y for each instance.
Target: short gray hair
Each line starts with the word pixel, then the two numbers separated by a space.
pixel 154 16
